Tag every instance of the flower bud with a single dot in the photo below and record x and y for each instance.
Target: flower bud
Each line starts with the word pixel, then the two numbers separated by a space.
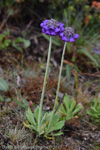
pixel 30 103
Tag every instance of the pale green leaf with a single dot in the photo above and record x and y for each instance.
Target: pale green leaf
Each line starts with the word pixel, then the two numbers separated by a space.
pixel 1 98
pixel 67 102
pixel 57 134
pixel 8 99
pixel 63 109
pixel 3 85
pixel 77 109
pixel 72 105
pixel 19 103
pixel 17 47
pixel 27 43
pixel 30 117
pixel 58 125
pixel 36 113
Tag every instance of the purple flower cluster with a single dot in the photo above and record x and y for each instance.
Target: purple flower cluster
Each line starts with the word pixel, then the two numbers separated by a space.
pixel 53 27
pixel 68 35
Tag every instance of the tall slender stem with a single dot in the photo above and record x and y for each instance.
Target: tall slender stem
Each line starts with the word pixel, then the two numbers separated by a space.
pixel 44 84
pixel 61 66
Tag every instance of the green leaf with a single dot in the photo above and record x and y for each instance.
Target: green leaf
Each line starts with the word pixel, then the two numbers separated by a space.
pixel 2 37
pixel 63 109
pixel 94 109
pixel 32 127
pixel 57 134
pixel 36 113
pixel 3 85
pixel 24 41
pixel 55 119
pixel 25 102
pixel 19 40
pixel 72 105
pixel 30 117
pixel 77 109
pixel 27 43
pixel 2 46
pixel 85 52
pixel 19 103
pixel 67 102
pixel 17 47
pixel 1 98
pixel 69 116
pixel 44 117
pixel 29 126
pixel 58 125
pixel 8 99
pixel 7 42
pixel 70 108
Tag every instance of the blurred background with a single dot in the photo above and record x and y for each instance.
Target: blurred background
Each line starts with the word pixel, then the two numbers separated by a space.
pixel 20 31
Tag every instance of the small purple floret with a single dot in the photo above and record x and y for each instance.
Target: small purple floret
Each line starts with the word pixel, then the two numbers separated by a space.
pixel 52 27
pixel 97 50
pixel 76 36
pixel 68 35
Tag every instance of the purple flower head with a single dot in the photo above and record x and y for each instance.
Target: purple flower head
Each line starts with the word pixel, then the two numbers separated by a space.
pixel 68 35
pixel 52 27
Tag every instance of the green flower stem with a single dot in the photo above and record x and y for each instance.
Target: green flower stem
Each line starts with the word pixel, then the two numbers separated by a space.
pixel 61 66
pixel 44 84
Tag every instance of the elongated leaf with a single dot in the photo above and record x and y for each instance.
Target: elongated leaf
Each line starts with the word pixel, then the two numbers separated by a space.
pixel 72 105
pixel 95 103
pixel 55 118
pixel 8 99
pixel 77 109
pixel 3 85
pixel 94 109
pixel 36 113
pixel 26 125
pixel 19 40
pixel 19 103
pixel 57 134
pixel 58 125
pixel 63 109
pixel 24 101
pixel 30 117
pixel 27 43
pixel 1 98
pixel 67 102
pixel 17 47
pixel 69 116
pixel 85 52
pixel 29 126
pixel 44 118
